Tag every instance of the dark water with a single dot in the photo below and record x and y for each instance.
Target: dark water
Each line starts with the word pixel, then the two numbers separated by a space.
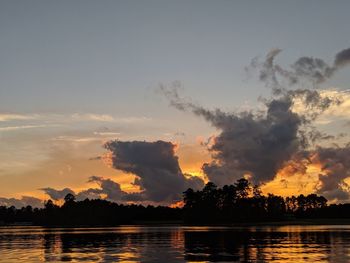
pixel 176 244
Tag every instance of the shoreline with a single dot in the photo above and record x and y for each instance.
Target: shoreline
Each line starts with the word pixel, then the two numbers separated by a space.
pixel 301 222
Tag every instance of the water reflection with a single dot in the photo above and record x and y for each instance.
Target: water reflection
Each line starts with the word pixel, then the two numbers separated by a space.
pixel 176 244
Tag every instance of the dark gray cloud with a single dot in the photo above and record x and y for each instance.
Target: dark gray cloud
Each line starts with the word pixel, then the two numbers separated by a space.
pixel 258 144
pixel 335 163
pixel 309 68
pixel 313 100
pixel 111 189
pixel 91 193
pixel 254 145
pixel 21 202
pixel 342 58
pixel 57 194
pixel 156 166
pixel 334 160
pixel 108 189
pixel 157 171
pixel 304 69
pixel 270 72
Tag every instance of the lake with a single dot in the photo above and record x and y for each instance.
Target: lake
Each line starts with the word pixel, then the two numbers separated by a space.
pixel 176 244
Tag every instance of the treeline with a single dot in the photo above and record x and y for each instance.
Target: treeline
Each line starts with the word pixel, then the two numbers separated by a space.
pixel 95 212
pixel 240 202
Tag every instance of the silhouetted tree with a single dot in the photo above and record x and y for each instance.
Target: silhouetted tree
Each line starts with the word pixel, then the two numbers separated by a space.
pixel 243 188
pixel 69 199
pixel 244 202
pixel 240 202
pixel 276 207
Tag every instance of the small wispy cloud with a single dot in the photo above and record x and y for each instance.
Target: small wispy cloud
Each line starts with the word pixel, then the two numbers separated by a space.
pixel 72 117
pixel 107 133
pixel 107 118
pixel 12 116
pixel 76 139
pixel 92 117
pixel 133 119
pixel 21 127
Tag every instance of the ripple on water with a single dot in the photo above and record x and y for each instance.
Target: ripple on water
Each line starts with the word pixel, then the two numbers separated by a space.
pixel 176 244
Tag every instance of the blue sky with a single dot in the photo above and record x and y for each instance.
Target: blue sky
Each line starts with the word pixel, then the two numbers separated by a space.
pixel 100 56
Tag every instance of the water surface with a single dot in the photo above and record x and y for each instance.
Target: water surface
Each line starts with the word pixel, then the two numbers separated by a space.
pixel 176 244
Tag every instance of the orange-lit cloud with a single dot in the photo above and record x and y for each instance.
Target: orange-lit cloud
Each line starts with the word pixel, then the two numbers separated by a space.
pixel 192 157
pixel 295 178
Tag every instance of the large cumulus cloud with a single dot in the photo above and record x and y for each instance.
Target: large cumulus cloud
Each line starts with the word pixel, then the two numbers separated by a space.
pixel 256 144
pixel 260 143
pixel 156 167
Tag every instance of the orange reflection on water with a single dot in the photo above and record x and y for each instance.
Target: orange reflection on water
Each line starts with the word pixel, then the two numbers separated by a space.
pixel 174 244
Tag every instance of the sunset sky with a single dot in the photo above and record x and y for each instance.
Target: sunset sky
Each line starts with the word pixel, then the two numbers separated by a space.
pixel 77 75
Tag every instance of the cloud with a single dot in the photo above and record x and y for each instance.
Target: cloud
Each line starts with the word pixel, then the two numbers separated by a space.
pixel 309 69
pixel 77 139
pixel 338 112
pixel 57 194
pixel 107 118
pixel 313 69
pixel 39 120
pixel 157 169
pixel 335 165
pixel 254 144
pixel 13 116
pixel 108 189
pixel 342 58
pixel 111 189
pixel 91 193
pixel 93 117
pixel 21 127
pixel 259 144
pixel 22 202
pixel 107 134
pixel 163 187
pixel 269 71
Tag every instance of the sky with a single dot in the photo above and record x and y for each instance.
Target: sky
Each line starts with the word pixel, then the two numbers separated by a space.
pixel 77 75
